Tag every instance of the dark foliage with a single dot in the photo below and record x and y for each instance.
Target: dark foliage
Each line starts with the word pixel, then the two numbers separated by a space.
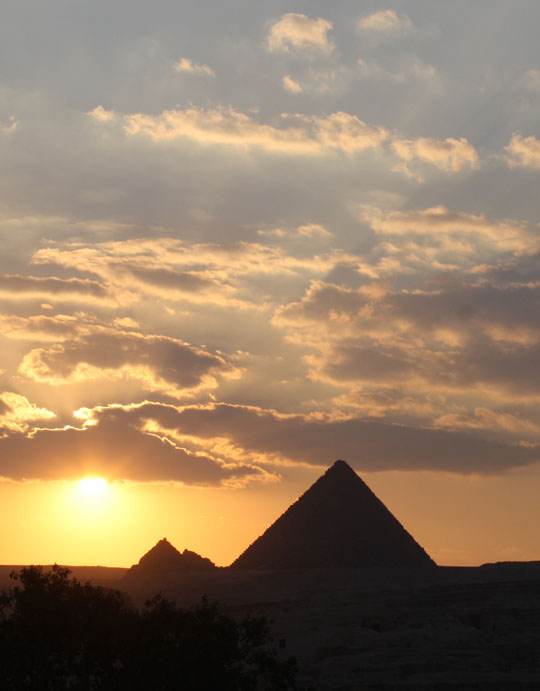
pixel 57 633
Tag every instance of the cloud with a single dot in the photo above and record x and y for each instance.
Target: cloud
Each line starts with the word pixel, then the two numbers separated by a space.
pixel 40 327
pixel 170 280
pixel 531 80
pixel 347 132
pixel 311 230
pixel 399 405
pixel 10 126
pixel 308 231
pixel 116 448
pixel 386 22
pixel 298 134
pixel 298 32
pixel 401 73
pixel 226 126
pixel 239 432
pixel 187 65
pixel 227 274
pixel 523 151
pixel 159 363
pixel 17 413
pixel 101 114
pixel 457 339
pixel 17 287
pixel 457 312
pixel 440 222
pixel 290 84
pixel 447 154
pixel 485 418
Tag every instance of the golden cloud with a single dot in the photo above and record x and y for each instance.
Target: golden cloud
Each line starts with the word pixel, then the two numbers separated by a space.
pixel 238 433
pixel 307 135
pixel 187 65
pixel 440 222
pixel 17 413
pixel 24 287
pixel 298 32
pixel 385 21
pixel 523 151
pixel 446 154
pixel 158 363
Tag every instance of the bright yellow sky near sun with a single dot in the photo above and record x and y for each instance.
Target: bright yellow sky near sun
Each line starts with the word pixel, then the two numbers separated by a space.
pixel 465 521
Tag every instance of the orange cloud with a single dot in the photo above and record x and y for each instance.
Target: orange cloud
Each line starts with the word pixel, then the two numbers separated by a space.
pixel 159 363
pixel 290 84
pixel 447 154
pixel 40 327
pixel 21 287
pixel 298 32
pixel 487 419
pixel 226 126
pixel 296 134
pixel 439 222
pixel 385 21
pixel 263 436
pixel 17 413
pixel 523 151
pixel 116 448
pixel 187 65
pixel 219 274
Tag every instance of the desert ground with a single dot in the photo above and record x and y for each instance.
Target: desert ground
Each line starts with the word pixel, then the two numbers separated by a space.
pixel 436 629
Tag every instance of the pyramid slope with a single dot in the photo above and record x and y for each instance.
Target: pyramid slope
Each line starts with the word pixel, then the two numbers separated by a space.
pixel 338 522
pixel 164 557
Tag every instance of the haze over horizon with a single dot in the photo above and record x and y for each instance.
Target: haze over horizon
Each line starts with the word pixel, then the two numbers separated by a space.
pixel 243 240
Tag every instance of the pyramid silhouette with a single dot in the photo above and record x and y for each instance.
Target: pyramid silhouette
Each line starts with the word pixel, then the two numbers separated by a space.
pixel 164 557
pixel 338 522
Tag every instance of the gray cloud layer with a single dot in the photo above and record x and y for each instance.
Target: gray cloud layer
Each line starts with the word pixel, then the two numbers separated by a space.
pixel 318 224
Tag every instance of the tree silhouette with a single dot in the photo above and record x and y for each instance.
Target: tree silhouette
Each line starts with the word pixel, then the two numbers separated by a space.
pixel 57 633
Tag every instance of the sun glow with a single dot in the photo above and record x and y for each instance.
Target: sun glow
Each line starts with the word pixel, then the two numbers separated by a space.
pixel 92 495
pixel 93 486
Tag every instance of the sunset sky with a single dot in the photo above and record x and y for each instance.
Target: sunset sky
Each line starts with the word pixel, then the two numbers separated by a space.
pixel 241 240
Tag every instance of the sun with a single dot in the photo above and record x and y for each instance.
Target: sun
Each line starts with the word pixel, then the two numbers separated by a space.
pixel 93 486
pixel 92 494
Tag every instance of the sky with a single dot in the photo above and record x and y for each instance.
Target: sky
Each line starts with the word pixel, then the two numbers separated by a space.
pixel 241 240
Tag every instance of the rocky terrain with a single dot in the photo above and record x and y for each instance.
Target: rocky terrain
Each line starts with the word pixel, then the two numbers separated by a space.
pixel 354 629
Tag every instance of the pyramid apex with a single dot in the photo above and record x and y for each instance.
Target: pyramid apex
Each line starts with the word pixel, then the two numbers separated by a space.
pixel 341 465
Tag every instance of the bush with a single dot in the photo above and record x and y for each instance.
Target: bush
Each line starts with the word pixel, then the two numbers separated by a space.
pixel 57 633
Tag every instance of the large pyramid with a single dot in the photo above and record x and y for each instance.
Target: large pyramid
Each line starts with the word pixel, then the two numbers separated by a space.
pixel 338 522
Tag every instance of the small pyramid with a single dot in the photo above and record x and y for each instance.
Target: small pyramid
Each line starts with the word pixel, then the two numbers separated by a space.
pixel 163 557
pixel 338 522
